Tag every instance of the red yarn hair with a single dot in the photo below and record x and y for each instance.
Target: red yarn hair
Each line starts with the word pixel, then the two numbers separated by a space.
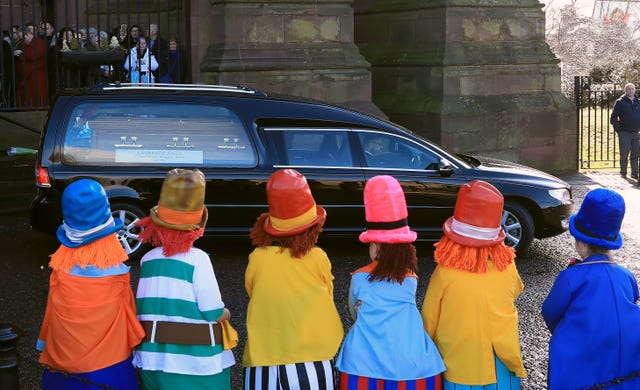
pixel 299 244
pixel 172 241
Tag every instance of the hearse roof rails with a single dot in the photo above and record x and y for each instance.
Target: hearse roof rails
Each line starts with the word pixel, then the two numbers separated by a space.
pixel 178 87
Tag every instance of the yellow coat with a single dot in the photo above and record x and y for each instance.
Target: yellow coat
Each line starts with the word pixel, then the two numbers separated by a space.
pixel 291 317
pixel 471 316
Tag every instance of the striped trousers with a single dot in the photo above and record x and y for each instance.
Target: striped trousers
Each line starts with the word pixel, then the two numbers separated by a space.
pixel 295 376
pixel 354 382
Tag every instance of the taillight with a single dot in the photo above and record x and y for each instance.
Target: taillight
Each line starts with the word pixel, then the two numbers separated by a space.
pixel 42 177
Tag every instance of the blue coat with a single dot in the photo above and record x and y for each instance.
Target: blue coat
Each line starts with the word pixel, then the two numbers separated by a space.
pixel 626 115
pixel 388 340
pixel 594 321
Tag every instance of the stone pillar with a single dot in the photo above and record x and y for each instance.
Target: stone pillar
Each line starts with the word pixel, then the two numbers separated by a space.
pixel 302 48
pixel 474 75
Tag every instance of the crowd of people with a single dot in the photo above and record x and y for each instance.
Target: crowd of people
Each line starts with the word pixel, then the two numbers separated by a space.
pixel 32 69
pixel 177 333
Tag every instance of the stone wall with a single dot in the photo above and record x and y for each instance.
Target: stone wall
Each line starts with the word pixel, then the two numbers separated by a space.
pixel 302 48
pixel 475 76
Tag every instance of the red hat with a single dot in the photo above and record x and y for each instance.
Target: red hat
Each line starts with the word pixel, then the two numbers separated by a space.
pixel 476 218
pixel 386 212
pixel 292 209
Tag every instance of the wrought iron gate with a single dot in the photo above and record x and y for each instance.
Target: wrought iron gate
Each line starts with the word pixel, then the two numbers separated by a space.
pixel 51 45
pixel 597 142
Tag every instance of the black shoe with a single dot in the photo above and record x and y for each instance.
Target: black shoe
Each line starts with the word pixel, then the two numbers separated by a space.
pixel 624 175
pixel 634 176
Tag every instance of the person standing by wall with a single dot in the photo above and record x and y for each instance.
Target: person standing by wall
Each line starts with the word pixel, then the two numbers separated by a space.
pixel 7 71
pixel 140 63
pixel 177 64
pixel 625 119
pixel 31 72
pixel 159 48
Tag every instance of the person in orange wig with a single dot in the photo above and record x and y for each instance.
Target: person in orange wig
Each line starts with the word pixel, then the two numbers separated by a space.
pixel 469 308
pixel 293 326
pixel 188 337
pixel 90 326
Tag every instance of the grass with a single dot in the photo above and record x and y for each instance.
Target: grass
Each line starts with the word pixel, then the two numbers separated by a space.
pixel 598 143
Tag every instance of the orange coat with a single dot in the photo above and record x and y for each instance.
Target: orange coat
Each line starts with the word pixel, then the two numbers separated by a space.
pixel 89 323
pixel 31 74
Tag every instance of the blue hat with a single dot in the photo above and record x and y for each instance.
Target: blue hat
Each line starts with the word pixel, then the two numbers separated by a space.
pixel 599 219
pixel 86 214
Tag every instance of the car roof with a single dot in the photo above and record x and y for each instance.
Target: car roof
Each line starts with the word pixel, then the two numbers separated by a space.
pixel 240 91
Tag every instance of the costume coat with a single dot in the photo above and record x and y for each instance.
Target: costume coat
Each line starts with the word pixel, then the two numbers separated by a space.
pixel 387 340
pixel 90 327
pixel 593 317
pixel 180 288
pixel 291 317
pixel 472 317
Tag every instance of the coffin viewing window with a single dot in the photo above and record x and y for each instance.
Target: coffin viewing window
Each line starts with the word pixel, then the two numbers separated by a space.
pixel 158 134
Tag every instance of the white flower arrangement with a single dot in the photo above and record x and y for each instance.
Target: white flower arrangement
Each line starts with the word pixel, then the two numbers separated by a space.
pixel 114 44
pixel 65 46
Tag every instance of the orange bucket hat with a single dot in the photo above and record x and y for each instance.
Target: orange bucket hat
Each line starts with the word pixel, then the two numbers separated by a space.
pixel 292 208
pixel 181 205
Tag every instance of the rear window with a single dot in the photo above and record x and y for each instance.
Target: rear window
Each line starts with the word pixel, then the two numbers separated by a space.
pixel 157 134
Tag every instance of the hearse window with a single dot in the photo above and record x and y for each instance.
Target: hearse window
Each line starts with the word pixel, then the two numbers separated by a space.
pixel 156 134
pixel 383 150
pixel 310 147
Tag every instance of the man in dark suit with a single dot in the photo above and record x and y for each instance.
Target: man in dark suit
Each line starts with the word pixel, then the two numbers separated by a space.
pixel 7 71
pixel 159 48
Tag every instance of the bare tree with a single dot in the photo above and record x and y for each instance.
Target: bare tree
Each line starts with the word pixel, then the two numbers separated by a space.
pixel 608 50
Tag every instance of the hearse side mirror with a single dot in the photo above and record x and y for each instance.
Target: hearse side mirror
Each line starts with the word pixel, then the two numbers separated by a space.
pixel 444 168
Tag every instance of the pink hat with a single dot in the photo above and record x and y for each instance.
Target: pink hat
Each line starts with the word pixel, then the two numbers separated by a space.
pixel 476 218
pixel 386 212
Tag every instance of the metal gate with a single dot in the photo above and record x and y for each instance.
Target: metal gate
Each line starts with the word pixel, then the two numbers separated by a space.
pixel 597 142
pixel 51 45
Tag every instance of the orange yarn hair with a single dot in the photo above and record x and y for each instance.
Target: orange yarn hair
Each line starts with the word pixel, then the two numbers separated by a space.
pixel 172 241
pixel 450 254
pixel 299 244
pixel 102 253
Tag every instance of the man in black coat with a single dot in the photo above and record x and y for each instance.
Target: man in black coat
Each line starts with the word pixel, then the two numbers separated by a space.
pixel 159 48
pixel 625 119
pixel 7 71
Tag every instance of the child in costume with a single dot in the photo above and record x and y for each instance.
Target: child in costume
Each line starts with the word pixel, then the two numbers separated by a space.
pixel 293 327
pixel 592 309
pixel 387 346
pixel 90 326
pixel 469 307
pixel 178 299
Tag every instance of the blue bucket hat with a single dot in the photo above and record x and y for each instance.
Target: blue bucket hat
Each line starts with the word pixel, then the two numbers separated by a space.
pixel 599 219
pixel 86 214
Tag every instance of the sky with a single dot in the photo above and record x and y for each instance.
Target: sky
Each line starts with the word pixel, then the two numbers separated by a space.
pixel 586 7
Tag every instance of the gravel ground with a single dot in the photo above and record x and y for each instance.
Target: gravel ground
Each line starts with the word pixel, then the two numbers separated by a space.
pixel 24 279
